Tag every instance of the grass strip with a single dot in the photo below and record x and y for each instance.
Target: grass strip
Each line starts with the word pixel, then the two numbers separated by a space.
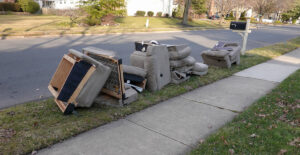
pixel 269 126
pixel 36 125
pixel 39 25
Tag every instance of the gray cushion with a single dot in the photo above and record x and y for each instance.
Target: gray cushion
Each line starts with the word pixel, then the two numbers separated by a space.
pixel 98 51
pixel 158 67
pixel 137 59
pixel 188 61
pixel 200 67
pixel 179 52
pixel 134 70
pixel 221 53
pixel 183 69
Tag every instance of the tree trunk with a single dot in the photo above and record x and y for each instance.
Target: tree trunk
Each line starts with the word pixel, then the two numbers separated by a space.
pixel 236 14
pixel 186 12
pixel 260 19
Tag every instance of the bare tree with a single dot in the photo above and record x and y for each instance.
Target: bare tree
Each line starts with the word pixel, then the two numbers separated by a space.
pixel 224 7
pixel 186 11
pixel 240 6
pixel 263 7
pixel 283 6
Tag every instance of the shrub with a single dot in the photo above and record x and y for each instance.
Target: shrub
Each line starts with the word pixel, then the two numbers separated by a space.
pixel 92 21
pixel 230 16
pixel 140 13
pixel 199 6
pixel 243 16
pixel 159 14
pixel 33 7
pixel 277 22
pixel 150 13
pixel 29 6
pixel 167 15
pixel 178 12
pixel 5 6
pixel 96 10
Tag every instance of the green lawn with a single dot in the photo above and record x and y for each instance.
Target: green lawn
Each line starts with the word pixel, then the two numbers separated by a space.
pixel 35 25
pixel 269 126
pixel 36 125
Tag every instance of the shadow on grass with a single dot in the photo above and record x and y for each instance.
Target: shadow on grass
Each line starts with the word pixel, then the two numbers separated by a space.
pixel 6 33
pixel 34 27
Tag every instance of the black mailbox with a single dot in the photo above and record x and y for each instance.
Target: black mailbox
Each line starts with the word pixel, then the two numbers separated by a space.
pixel 238 25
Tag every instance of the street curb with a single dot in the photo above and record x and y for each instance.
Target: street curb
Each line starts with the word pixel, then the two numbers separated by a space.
pixel 103 34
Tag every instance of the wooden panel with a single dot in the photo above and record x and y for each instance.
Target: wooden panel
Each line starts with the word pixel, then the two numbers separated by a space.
pixel 53 91
pixel 61 105
pixel 62 72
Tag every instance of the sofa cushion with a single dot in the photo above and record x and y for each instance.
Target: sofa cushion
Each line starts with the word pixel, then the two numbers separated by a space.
pixel 134 71
pixel 200 67
pixel 221 53
pixel 188 61
pixel 179 52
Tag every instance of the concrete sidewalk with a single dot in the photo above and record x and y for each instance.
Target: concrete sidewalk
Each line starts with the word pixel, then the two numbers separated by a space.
pixel 177 125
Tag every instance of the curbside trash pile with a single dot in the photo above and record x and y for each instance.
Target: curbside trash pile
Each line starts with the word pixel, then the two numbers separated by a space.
pixel 98 76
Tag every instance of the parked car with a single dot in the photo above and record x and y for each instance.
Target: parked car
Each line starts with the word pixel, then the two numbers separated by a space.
pixel 213 17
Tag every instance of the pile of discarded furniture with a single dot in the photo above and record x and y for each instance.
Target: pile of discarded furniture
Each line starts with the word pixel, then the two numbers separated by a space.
pixel 98 76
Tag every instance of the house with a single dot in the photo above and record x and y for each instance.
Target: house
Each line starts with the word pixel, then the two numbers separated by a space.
pixel 164 6
pixel 58 4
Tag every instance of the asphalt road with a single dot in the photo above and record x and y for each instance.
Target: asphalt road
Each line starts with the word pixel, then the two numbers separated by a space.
pixel 27 65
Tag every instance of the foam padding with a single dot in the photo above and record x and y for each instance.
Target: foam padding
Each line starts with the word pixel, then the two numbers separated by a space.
pixel 77 73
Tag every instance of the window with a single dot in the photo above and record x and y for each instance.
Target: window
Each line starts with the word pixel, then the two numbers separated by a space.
pixel 60 2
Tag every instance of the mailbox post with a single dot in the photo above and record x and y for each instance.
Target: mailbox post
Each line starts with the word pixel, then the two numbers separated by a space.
pixel 245 37
pixel 243 28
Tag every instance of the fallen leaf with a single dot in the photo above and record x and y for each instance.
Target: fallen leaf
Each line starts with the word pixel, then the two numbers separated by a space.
pixel 231 151
pixel 35 124
pixel 262 115
pixel 224 140
pixel 11 113
pixel 283 117
pixel 201 141
pixel 253 135
pixel 295 142
pixel 7 133
pixel 34 152
pixel 282 151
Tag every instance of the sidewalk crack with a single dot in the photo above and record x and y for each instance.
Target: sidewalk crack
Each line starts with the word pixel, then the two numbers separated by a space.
pixel 158 133
pixel 234 111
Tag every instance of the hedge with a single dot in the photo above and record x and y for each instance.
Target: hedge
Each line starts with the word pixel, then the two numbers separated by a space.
pixel 150 13
pixel 6 6
pixel 140 13
pixel 159 14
